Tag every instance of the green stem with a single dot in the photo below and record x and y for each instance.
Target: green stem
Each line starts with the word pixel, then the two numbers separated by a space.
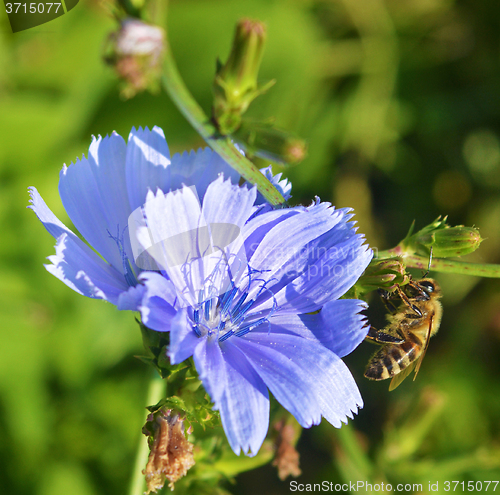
pixel 156 392
pixel 353 461
pixel 443 265
pixel 177 90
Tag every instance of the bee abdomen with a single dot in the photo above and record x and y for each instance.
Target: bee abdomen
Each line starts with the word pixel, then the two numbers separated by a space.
pixel 391 360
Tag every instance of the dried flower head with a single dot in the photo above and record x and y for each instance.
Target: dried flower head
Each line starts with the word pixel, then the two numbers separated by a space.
pixel 136 53
pixel 286 458
pixel 171 454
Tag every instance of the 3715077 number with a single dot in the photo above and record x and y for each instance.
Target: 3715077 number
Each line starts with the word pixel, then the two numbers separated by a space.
pixel 471 486
pixel 31 8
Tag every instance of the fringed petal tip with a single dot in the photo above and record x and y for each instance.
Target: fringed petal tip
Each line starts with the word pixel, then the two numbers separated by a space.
pixel 75 279
pixel 31 191
pixel 146 130
pixel 283 186
pixel 95 142
pixel 77 266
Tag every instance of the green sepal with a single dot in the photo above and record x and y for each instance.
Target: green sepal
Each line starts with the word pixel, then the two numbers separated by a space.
pixel 383 273
pixel 200 412
pixel 146 360
pixel 156 345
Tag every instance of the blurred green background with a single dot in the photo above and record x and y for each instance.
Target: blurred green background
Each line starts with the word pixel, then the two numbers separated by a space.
pixel 400 103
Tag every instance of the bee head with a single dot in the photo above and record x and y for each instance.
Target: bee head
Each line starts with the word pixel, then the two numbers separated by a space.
pixel 429 286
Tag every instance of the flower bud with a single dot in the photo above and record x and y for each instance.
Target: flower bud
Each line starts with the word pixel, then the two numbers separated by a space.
pixel 383 274
pixel 235 84
pixel 445 241
pixel 270 143
pixel 136 53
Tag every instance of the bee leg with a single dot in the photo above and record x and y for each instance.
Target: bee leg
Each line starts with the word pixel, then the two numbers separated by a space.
pixel 403 334
pixel 404 298
pixel 386 297
pixel 423 295
pixel 382 337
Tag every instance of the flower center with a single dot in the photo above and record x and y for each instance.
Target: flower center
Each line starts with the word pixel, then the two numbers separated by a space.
pixel 231 313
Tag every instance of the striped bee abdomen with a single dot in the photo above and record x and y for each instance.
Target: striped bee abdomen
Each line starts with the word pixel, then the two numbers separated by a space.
pixel 392 359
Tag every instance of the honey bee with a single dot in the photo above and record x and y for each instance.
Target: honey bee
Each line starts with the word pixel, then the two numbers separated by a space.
pixel 406 338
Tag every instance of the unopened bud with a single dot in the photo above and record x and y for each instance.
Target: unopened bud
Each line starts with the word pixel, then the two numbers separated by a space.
pixel 270 143
pixel 136 53
pixel 171 455
pixel 235 84
pixel 445 241
pixel 383 274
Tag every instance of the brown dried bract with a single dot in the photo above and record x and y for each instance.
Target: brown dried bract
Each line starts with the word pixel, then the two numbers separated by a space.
pixel 287 458
pixel 171 454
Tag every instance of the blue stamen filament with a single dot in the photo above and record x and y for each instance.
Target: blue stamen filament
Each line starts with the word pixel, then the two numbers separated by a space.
pixel 224 316
pixel 128 272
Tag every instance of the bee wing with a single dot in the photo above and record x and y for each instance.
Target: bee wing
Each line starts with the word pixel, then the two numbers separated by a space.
pixel 418 362
pixel 398 379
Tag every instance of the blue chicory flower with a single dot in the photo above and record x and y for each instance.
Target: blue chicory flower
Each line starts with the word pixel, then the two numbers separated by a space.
pixel 100 192
pixel 253 296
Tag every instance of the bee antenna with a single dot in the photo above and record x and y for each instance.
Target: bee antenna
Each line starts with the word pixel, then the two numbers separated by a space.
pixel 429 266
